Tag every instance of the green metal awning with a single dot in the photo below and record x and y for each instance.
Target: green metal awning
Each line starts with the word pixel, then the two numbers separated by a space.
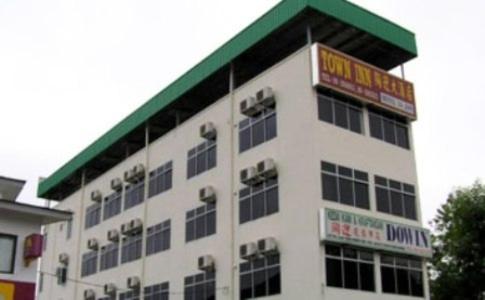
pixel 383 43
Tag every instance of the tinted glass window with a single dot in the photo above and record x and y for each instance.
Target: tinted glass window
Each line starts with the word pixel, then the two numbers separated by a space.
pixel 201 158
pixel 200 222
pixel 258 201
pixel 260 277
pixel 402 275
pixel 157 292
pixel 89 263
pixel 8 245
pixel 349 268
pixel 109 256
pixel 254 131
pixel 340 111
pixel 158 238
pixel 389 128
pixel 345 185
pixel 93 215
pixel 160 179
pixel 395 198
pixel 112 205
pixel 201 286
pixel 134 194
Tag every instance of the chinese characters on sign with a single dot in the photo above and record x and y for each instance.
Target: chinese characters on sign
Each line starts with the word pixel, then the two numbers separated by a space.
pixel 348 75
pixel 344 227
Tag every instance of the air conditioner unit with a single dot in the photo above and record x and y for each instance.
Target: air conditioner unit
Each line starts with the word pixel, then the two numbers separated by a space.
pixel 136 225
pixel 113 235
pixel 93 244
pixel 116 184
pixel 110 289
pixel 139 171
pixel 249 107
pixel 89 294
pixel 206 263
pixel 266 169
pixel 208 131
pixel 207 194
pixel 64 258
pixel 126 228
pixel 249 176
pixel 267 246
pixel 265 97
pixel 248 251
pixel 129 175
pixel 96 196
pixel 133 282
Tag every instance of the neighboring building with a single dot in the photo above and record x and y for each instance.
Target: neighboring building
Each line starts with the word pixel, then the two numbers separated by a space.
pixel 20 240
pixel 277 168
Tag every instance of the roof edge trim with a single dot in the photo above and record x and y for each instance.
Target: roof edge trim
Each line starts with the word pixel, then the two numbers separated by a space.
pixel 252 34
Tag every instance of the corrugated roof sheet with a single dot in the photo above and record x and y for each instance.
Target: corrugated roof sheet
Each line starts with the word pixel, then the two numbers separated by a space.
pixel 262 27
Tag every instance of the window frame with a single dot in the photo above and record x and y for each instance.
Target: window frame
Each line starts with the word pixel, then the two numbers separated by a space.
pixel 61 275
pixel 249 123
pixel 115 196
pixel 205 149
pixel 14 239
pixel 69 228
pixel 130 295
pixel 341 258
pixel 162 293
pixel 137 188
pixel 161 231
pixel 409 268
pixel 194 215
pixel 249 194
pixel 258 265
pixel 405 189
pixel 95 208
pixel 126 244
pixel 106 253
pixel 157 179
pixel 346 102
pixel 193 281
pixel 87 259
pixel 375 114
pixel 353 178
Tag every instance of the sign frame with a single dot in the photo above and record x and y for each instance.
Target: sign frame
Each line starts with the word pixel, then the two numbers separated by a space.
pixel 348 85
pixel 384 245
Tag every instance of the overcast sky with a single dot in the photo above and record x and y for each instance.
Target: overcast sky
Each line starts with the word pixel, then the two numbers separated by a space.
pixel 70 70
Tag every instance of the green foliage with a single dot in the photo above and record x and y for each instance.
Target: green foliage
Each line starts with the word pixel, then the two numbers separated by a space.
pixel 457 269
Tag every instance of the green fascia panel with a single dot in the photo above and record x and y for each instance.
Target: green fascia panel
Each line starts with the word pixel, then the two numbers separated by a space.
pixel 262 27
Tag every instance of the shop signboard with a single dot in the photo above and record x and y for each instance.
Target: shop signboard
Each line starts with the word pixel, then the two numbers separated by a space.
pixel 369 232
pixel 346 74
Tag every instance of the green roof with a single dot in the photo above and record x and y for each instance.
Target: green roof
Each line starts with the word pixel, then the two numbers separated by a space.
pixel 272 20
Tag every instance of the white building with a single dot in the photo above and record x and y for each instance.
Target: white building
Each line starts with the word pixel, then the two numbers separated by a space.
pixel 20 240
pixel 277 168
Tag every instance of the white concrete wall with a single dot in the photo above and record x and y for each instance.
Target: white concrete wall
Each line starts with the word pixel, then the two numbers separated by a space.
pixel 302 142
pixel 21 227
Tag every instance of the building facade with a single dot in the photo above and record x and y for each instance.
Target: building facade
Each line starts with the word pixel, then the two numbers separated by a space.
pixel 20 240
pixel 280 167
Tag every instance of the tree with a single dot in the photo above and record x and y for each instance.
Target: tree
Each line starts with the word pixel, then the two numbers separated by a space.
pixel 457 270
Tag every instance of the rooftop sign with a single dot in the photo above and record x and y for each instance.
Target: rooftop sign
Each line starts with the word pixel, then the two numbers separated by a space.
pixel 353 77
pixel 348 228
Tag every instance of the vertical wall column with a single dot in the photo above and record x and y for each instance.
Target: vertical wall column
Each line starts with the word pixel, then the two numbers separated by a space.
pixel 233 127
pixel 145 210
pixel 77 273
pixel 309 36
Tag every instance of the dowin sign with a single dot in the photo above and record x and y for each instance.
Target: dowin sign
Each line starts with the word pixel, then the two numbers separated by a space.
pixel 358 230
pixel 348 75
